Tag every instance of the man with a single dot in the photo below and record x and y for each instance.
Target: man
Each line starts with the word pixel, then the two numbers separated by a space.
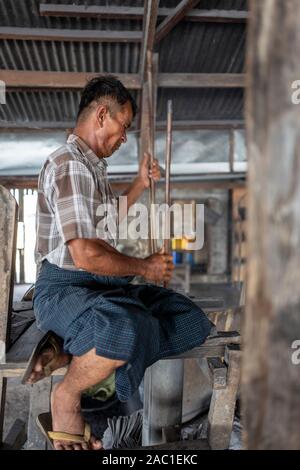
pixel 83 292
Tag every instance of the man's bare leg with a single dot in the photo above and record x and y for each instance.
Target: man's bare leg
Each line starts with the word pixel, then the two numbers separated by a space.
pixel 84 372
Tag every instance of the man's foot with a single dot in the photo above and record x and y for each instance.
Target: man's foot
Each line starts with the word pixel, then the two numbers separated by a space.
pixel 67 417
pixel 48 356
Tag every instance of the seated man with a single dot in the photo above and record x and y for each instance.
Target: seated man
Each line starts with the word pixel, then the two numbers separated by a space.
pixel 83 292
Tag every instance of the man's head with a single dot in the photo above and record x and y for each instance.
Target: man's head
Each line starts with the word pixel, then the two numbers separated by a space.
pixel 106 110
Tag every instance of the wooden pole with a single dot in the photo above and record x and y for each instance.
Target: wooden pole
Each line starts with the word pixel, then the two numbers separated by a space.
pixel 167 179
pixel 151 105
pixel 271 376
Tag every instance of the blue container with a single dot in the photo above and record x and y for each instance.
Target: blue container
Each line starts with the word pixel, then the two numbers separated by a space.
pixel 177 257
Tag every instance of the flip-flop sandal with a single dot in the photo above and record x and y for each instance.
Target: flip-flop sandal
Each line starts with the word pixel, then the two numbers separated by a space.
pixel 49 339
pixel 44 423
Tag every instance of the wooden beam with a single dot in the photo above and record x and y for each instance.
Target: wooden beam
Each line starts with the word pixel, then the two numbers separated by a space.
pixel 217 16
pixel 35 126
pixel 201 80
pixel 171 21
pixel 205 125
pixel 8 237
pixel 77 80
pixel 92 11
pixel 40 34
pixel 31 182
pixel 270 393
pixel 50 126
pixel 137 13
pixel 61 80
pixel 149 25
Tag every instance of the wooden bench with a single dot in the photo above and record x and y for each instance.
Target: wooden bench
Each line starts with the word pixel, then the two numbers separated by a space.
pixel 222 353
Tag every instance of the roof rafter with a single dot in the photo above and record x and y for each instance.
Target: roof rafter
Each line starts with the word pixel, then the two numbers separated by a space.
pixel 55 34
pixel 37 126
pixel 137 13
pixel 20 79
pixel 171 21
pixel 60 80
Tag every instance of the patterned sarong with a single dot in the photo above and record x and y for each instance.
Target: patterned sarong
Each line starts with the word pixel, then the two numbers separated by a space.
pixel 139 324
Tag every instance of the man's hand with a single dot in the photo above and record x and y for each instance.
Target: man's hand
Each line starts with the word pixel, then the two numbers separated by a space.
pixel 158 267
pixel 146 172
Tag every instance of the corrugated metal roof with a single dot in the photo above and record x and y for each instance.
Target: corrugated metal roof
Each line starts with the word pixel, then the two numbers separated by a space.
pixel 48 106
pixel 203 48
pixel 191 47
pixel 198 104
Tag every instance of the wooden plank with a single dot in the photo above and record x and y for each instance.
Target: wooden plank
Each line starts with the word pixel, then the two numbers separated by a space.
pixel 271 399
pixel 197 183
pixel 92 11
pixel 227 320
pixel 48 126
pixel 211 347
pixel 149 24
pixel 16 436
pixel 137 13
pixel 204 124
pixel 24 305
pixel 218 372
pixel 51 34
pixel 217 16
pixel 8 233
pixel 35 126
pixel 13 369
pixel 39 403
pixel 171 21
pixel 23 79
pixel 223 401
pixel 201 80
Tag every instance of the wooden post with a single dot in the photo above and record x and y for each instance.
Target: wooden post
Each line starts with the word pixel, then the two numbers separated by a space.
pixel 147 138
pixel 271 382
pixel 223 400
pixel 148 111
pixel 8 224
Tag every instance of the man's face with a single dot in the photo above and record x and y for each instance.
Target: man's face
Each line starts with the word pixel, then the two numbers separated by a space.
pixel 113 131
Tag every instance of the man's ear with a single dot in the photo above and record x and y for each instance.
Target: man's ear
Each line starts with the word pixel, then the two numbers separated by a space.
pixel 101 114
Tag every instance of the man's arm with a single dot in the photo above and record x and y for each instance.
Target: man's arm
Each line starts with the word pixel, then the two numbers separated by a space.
pixel 100 258
pixel 142 181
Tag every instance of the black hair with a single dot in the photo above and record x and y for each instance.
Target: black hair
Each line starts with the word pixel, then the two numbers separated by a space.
pixel 105 86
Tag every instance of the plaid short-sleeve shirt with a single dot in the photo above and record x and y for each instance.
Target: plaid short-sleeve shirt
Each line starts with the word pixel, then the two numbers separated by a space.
pixel 74 197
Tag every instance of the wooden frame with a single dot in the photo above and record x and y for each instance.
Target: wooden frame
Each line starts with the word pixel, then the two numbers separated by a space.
pixel 55 34
pixel 175 17
pixel 25 79
pixel 137 13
